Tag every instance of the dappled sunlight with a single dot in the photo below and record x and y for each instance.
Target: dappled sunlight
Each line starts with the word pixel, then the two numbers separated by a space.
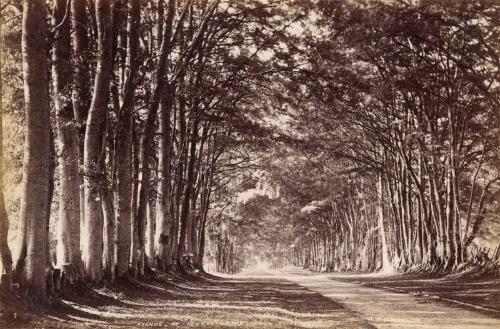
pixel 244 303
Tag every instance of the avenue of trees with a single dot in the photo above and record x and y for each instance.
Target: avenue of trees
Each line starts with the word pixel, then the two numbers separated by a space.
pixel 392 157
pixel 373 124
pixel 129 111
pixel 408 96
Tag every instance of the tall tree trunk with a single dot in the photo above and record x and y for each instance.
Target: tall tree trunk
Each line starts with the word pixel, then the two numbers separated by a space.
pixel 5 254
pixel 159 257
pixel 108 257
pixel 206 193
pixel 37 151
pixel 150 231
pixel 455 226
pixel 179 175
pixel 124 195
pixel 386 262
pixel 187 193
pixel 81 80
pixel 93 234
pixel 450 221
pixel 134 253
pixel 68 226
pixel 163 216
pixel 123 154
pixel 146 149
pixel 50 259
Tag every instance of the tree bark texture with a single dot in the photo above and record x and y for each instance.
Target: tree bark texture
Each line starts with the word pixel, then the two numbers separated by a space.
pixel 37 151
pixel 93 175
pixel 68 226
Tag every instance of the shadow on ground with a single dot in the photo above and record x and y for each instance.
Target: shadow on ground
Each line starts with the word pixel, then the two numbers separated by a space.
pixel 167 301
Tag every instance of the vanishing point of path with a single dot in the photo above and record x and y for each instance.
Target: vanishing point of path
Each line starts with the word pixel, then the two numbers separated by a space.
pixel 385 309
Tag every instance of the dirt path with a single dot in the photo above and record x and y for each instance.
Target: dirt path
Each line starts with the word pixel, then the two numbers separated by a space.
pixel 386 309
pixel 257 300
pixel 250 303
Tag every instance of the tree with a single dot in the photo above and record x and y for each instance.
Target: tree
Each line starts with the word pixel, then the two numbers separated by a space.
pixel 164 218
pixel 93 151
pixel 81 82
pixel 5 253
pixel 33 239
pixel 68 231
pixel 123 153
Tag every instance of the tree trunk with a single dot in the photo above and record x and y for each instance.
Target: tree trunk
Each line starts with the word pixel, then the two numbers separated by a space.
pixel 206 193
pixel 185 208
pixel 123 153
pixel 386 262
pixel 93 234
pixel 5 254
pixel 37 151
pixel 108 215
pixel 163 216
pixel 148 132
pixel 150 231
pixel 179 176
pixel 81 79
pixel 124 213
pixel 134 253
pixel 68 226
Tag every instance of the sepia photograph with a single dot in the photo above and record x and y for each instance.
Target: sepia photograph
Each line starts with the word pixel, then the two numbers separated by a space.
pixel 250 164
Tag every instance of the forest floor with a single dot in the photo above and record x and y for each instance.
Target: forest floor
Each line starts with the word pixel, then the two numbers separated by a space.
pixel 398 302
pixel 264 302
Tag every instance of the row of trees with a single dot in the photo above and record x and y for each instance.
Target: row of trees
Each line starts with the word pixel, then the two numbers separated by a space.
pixel 387 149
pixel 413 112
pixel 146 99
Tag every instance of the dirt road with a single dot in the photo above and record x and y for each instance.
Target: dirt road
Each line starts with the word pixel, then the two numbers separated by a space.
pixel 392 310
pixel 263 300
